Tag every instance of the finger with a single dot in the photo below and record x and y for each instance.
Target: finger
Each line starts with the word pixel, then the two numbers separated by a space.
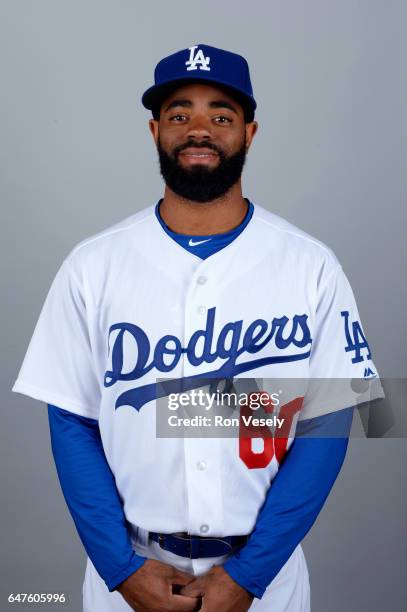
pixel 194 588
pixel 184 603
pixel 209 604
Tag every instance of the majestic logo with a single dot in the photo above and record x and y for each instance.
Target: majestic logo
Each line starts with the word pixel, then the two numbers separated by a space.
pixel 355 338
pixel 368 373
pixel 232 342
pixel 197 59
pixel 193 243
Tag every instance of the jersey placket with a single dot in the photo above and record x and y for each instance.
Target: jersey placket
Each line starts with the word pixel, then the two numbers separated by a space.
pixel 203 469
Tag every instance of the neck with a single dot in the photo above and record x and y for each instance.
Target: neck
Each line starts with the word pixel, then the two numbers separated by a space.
pixel 204 218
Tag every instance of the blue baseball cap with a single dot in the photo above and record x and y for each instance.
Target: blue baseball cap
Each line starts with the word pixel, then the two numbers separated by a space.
pixel 207 64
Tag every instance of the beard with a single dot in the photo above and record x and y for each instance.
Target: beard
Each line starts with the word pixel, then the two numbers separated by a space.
pixel 200 183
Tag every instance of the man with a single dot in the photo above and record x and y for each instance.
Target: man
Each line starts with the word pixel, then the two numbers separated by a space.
pixel 203 284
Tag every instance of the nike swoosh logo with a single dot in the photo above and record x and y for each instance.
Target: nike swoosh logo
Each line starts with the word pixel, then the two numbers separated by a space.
pixel 192 243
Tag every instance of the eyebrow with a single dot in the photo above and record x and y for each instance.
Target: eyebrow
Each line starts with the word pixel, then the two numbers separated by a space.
pixel 213 104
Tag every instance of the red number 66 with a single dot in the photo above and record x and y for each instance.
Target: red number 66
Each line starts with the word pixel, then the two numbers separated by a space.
pixel 272 445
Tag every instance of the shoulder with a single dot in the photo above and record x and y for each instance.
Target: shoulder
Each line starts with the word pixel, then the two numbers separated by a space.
pixel 110 243
pixel 300 248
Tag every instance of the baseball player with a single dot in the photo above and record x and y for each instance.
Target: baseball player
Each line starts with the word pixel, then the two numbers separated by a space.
pixel 204 283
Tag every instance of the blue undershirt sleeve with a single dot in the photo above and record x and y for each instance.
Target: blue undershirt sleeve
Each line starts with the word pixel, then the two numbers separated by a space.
pixel 293 501
pixel 89 489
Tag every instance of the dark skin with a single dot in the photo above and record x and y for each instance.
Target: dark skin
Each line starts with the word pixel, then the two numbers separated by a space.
pixel 159 587
pixel 219 592
pixel 199 121
pixel 201 118
pixel 150 589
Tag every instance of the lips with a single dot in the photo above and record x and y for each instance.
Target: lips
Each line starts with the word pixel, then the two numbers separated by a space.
pixel 199 153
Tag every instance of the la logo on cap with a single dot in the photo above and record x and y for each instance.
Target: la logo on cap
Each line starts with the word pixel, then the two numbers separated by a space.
pixel 197 59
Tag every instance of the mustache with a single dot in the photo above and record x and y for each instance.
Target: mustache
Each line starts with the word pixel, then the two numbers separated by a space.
pixel 202 145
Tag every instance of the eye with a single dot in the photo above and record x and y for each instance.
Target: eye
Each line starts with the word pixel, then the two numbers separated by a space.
pixel 177 115
pixel 224 117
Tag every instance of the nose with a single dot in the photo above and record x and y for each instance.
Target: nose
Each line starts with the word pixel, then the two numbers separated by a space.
pixel 199 126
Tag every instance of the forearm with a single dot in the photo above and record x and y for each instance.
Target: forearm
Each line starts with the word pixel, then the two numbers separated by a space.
pixel 90 492
pixel 293 502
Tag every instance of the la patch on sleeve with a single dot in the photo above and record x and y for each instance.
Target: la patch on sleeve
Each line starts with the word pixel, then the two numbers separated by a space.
pixel 356 342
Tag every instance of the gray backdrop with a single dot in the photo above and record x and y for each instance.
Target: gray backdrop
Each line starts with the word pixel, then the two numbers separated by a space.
pixel 76 156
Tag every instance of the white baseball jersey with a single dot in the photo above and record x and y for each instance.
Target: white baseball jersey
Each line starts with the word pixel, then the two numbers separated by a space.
pixel 129 306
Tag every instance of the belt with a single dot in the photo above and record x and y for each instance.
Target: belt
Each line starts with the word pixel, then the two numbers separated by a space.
pixel 192 546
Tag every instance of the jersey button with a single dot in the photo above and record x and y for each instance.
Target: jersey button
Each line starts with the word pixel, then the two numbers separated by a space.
pixel 204 528
pixel 201 465
pixel 201 280
pixel 202 309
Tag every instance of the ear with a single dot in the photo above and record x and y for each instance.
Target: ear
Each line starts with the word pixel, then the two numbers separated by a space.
pixel 251 129
pixel 153 125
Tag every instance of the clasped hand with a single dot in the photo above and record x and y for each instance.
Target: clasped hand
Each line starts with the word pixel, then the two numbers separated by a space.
pixel 159 587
